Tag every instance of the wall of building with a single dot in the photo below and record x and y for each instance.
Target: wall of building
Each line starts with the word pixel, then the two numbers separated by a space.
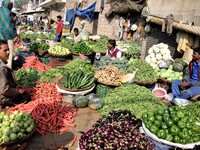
pixel 182 10
pixel 105 26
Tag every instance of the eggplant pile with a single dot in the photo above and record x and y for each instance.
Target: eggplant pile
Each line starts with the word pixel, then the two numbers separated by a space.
pixel 119 130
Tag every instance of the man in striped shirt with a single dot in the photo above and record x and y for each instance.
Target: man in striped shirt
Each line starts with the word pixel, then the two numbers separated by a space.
pixel 7 29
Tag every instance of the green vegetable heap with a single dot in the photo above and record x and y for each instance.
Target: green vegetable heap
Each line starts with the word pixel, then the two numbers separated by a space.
pixel 135 98
pixel 58 50
pixel 194 109
pixel 67 44
pixel 51 74
pixel 77 80
pixel 145 72
pixel 81 48
pixel 38 46
pixel 27 77
pixel 15 126
pixel 100 45
pixel 74 65
pixel 121 64
pixel 173 124
pixel 132 49
pixel 80 64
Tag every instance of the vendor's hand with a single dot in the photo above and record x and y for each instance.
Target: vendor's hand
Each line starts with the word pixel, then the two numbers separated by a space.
pixel 20 90
pixel 184 84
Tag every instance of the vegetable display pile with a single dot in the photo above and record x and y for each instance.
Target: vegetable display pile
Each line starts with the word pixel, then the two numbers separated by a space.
pixel 157 53
pixel 53 117
pixel 109 75
pixel 46 106
pixel 15 126
pixel 170 74
pixel 179 65
pixel 100 46
pixel 135 98
pixel 145 73
pixel 81 48
pixel 41 93
pixel 95 103
pixel 79 64
pixel 33 61
pixel 173 124
pixel 194 109
pixel 118 130
pixel 38 46
pixel 74 65
pixel 121 64
pixel 57 50
pixel 90 100
pixel 51 74
pixel 67 44
pixel 77 80
pixel 27 77
pixel 131 48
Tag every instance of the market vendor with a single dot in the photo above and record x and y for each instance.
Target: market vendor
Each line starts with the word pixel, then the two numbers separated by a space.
pixel 190 85
pixel 77 35
pixel 8 86
pixel 112 51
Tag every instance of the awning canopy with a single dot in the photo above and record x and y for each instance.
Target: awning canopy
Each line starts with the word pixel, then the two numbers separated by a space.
pixel 49 3
pixel 33 11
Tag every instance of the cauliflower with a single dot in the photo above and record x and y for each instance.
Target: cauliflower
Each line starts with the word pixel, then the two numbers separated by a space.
pixel 150 51
pixel 152 55
pixel 158 56
pixel 148 59
pixel 156 50
pixel 153 60
pixel 167 57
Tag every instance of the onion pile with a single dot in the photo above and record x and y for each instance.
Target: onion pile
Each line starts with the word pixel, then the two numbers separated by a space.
pixel 118 130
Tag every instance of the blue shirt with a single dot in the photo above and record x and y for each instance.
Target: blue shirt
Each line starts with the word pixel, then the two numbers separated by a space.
pixel 195 72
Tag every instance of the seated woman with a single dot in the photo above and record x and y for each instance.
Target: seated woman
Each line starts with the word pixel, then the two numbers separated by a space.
pixel 190 85
pixel 112 50
pixel 9 90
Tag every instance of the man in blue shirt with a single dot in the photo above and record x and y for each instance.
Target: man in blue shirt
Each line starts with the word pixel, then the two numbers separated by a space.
pixel 190 85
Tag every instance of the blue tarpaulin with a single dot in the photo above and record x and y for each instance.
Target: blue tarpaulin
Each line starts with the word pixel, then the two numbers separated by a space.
pixel 71 14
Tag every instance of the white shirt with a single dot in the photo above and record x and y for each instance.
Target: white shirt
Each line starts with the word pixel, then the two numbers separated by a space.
pixel 119 54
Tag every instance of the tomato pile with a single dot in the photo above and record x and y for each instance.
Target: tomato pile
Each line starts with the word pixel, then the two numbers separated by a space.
pixel 173 124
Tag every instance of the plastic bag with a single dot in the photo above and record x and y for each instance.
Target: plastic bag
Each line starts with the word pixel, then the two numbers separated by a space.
pixel 84 35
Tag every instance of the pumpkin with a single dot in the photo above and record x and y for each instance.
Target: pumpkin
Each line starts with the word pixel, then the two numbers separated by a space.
pixel 91 96
pixel 80 101
pixel 178 67
pixel 96 103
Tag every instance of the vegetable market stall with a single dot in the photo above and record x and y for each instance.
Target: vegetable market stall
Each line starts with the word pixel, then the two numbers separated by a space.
pixel 121 89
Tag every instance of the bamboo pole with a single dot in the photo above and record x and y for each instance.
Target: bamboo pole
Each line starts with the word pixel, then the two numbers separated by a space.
pixel 177 25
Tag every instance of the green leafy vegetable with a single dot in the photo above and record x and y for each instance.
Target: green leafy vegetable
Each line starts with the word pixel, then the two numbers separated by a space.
pixel 135 98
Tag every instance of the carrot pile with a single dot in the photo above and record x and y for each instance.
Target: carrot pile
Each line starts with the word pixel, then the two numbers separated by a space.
pixel 33 61
pixel 53 117
pixel 47 109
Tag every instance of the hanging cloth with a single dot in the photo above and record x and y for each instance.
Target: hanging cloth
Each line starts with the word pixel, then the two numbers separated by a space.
pixel 86 12
pixel 70 17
